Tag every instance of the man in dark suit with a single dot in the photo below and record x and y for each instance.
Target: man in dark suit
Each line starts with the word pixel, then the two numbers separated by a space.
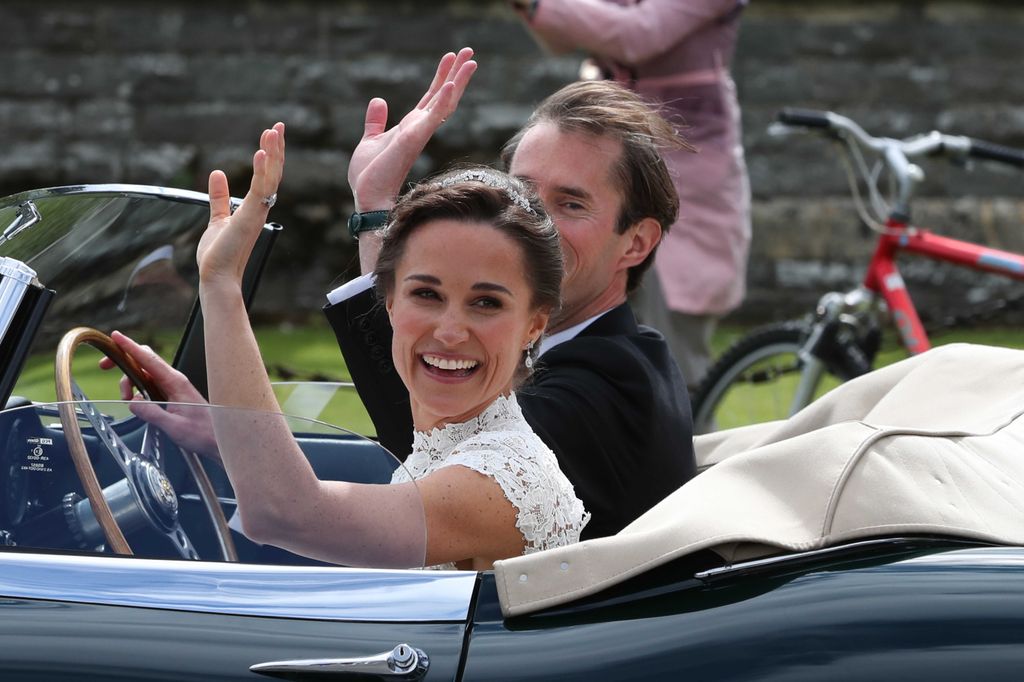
pixel 606 395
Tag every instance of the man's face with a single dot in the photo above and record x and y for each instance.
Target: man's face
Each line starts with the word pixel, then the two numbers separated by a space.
pixel 573 175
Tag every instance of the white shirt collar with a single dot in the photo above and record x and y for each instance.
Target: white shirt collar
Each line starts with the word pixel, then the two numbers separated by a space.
pixel 549 342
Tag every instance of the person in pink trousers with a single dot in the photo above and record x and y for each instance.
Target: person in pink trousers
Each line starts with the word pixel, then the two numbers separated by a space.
pixel 677 53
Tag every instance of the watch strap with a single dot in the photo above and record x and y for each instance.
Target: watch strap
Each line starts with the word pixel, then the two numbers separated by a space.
pixel 367 222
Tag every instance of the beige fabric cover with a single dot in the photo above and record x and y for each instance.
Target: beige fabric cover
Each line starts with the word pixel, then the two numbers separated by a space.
pixel 930 445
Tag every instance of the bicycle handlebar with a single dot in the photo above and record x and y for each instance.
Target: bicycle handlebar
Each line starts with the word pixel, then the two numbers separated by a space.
pixel 896 153
pixel 996 152
pixel 932 144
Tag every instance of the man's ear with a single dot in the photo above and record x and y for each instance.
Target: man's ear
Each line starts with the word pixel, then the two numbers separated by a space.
pixel 641 238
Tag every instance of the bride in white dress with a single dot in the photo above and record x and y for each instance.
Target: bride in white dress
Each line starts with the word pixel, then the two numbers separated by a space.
pixel 469 272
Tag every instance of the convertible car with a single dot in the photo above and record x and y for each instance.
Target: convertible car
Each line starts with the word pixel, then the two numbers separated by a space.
pixel 877 535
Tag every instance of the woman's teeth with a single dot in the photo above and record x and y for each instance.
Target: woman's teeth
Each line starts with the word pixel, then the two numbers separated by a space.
pixel 448 363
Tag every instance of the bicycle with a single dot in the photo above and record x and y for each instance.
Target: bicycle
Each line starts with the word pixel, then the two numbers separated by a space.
pixel 776 370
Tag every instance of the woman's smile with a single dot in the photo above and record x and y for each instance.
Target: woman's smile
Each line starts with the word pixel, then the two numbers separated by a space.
pixel 447 367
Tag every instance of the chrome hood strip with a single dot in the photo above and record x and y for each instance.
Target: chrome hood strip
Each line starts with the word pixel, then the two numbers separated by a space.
pixel 306 592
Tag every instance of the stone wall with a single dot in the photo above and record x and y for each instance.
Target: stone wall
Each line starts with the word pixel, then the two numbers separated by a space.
pixel 159 93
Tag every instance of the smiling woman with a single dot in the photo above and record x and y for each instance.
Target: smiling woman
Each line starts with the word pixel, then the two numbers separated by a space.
pixel 469 272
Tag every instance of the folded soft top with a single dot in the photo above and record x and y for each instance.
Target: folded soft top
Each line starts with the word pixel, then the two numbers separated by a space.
pixel 930 445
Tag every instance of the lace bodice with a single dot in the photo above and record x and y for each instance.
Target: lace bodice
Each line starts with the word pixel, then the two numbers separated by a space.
pixel 499 443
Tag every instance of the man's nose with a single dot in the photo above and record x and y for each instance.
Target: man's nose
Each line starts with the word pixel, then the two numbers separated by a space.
pixel 451 328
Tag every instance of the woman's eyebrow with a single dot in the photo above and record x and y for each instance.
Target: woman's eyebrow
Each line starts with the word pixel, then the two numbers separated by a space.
pixel 491 286
pixel 426 279
pixel 479 286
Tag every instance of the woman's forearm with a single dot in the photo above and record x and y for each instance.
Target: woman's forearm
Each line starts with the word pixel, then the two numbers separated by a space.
pixel 271 477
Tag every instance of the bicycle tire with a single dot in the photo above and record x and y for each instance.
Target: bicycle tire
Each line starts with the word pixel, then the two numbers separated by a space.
pixel 755 379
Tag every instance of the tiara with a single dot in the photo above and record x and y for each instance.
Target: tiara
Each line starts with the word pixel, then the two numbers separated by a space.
pixel 491 180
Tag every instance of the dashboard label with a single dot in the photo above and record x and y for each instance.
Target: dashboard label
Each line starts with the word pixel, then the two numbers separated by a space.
pixel 37 460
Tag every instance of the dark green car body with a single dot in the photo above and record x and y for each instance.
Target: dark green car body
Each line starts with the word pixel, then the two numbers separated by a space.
pixel 887 608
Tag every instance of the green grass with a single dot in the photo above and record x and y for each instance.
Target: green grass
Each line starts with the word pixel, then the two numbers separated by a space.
pixel 307 353
pixel 310 353
pixel 772 383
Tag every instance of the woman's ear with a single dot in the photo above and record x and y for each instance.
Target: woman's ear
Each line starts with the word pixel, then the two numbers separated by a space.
pixel 389 303
pixel 538 323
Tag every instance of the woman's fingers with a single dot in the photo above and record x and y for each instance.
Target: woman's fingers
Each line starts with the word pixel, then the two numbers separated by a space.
pixel 220 196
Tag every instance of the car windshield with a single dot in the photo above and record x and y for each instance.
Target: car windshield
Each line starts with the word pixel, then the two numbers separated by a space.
pixel 95 476
pixel 115 257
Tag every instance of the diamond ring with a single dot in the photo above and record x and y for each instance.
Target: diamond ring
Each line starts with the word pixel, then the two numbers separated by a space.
pixel 269 200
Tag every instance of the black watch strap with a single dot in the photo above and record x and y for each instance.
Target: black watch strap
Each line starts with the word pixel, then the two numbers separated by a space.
pixel 366 222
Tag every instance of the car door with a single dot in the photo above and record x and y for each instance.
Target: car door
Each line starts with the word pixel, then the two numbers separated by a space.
pixel 65 616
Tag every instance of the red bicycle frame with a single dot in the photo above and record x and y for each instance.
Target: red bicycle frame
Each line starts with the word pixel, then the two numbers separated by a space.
pixel 883 276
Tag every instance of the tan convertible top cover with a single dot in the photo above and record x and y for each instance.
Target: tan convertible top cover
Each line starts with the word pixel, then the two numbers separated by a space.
pixel 930 445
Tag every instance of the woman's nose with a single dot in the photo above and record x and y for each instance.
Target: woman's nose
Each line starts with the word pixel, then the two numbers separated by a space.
pixel 451 329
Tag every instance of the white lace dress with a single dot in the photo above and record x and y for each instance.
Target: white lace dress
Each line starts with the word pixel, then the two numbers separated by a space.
pixel 500 443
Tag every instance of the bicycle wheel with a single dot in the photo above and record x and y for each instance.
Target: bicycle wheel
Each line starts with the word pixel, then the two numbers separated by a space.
pixel 756 379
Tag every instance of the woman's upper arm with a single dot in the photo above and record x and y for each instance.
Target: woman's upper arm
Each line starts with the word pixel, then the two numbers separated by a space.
pixel 467 516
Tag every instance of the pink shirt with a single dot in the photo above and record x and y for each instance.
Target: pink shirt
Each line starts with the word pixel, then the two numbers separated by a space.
pixel 677 53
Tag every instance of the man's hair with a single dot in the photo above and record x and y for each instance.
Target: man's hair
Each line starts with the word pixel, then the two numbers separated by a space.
pixel 607 109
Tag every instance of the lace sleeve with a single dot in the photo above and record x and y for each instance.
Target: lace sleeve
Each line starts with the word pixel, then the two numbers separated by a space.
pixel 548 513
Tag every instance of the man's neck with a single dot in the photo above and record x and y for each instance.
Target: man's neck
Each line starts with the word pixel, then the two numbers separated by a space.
pixel 584 313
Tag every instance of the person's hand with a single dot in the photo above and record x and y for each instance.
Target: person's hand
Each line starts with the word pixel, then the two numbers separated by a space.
pixel 383 158
pixel 226 244
pixel 188 425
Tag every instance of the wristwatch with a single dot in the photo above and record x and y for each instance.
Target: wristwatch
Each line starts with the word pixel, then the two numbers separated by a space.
pixel 367 222
pixel 527 6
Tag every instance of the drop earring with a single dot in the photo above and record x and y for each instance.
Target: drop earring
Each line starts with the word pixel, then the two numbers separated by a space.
pixel 529 358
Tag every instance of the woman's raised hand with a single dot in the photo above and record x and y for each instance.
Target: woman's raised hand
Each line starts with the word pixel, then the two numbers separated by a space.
pixel 383 158
pixel 225 246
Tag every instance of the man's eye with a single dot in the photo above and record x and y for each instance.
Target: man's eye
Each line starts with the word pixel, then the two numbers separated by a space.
pixel 572 205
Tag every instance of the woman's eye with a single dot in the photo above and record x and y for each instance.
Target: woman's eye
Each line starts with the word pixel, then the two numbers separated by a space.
pixel 487 302
pixel 428 294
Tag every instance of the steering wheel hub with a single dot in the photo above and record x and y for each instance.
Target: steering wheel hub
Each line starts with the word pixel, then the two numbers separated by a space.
pixel 157 494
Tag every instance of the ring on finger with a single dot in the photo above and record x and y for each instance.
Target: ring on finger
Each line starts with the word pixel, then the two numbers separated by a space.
pixel 269 200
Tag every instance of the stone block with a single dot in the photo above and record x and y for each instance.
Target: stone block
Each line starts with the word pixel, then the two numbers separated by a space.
pixel 25 120
pixel 164 164
pixel 102 119
pixel 26 165
pixel 91 162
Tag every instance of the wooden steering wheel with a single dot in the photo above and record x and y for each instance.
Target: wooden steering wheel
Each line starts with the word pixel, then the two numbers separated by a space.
pixel 145 493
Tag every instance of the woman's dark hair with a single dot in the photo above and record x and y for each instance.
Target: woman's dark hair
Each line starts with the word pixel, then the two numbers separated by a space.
pixel 485 195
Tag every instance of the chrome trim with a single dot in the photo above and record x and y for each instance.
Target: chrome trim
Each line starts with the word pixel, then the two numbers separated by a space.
pixel 303 592
pixel 15 279
pixel 404 662
pixel 28 215
pixel 814 554
pixel 114 189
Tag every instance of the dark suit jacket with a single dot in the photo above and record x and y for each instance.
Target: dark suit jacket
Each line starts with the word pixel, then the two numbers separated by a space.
pixel 611 403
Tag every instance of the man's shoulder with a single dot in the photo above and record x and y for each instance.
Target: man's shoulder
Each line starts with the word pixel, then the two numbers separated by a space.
pixel 616 342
